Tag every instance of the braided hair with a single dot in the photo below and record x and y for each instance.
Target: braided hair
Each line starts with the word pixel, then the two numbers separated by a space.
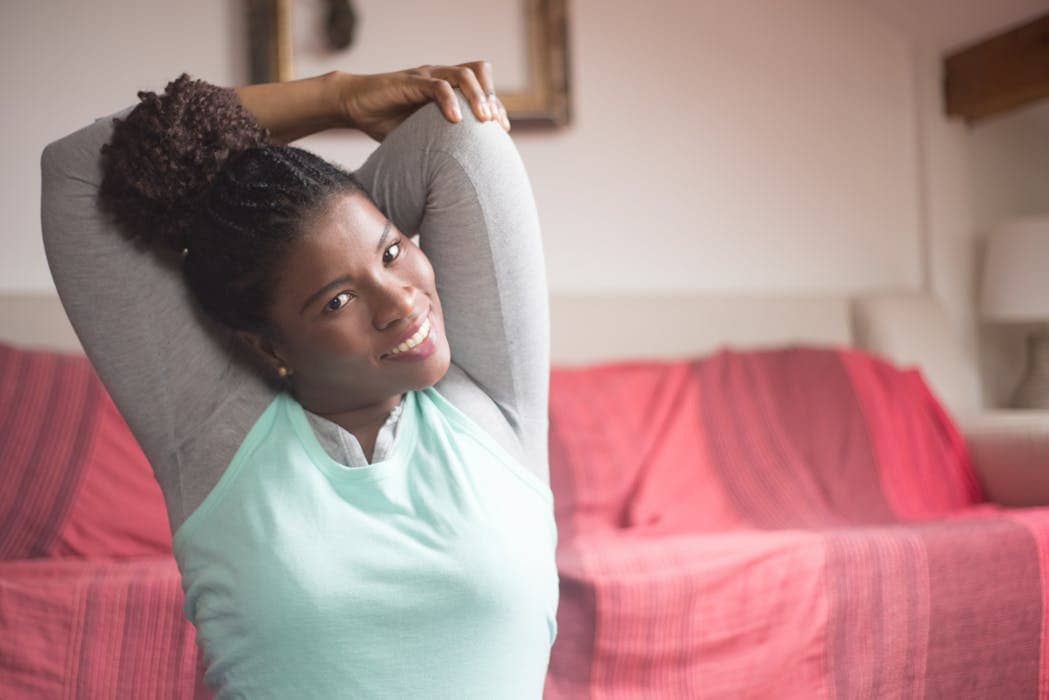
pixel 193 175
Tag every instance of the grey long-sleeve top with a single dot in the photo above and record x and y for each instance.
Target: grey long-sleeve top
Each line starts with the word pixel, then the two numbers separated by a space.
pixel 186 385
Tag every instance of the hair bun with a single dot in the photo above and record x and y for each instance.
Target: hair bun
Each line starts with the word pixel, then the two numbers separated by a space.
pixel 166 153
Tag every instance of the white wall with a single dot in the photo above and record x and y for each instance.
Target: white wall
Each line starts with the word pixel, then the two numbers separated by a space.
pixel 1009 161
pixel 1009 165
pixel 972 176
pixel 65 63
pixel 732 146
pixel 719 145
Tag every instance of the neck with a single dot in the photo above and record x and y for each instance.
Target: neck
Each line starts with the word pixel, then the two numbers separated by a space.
pixel 362 418
pixel 363 422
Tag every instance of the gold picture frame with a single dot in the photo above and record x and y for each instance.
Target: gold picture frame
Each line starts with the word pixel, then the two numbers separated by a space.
pixel 544 101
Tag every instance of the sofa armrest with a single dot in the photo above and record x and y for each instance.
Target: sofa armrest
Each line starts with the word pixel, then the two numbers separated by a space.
pixel 1010 454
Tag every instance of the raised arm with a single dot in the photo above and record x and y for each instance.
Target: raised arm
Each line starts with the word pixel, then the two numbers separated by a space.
pixel 449 171
pixel 469 198
pixel 168 367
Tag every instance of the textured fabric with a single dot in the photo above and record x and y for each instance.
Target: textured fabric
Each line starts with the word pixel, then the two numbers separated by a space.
pixel 73 481
pixel 784 438
pixel 96 628
pixel 720 603
pixel 799 522
pixel 429 574
pixel 187 386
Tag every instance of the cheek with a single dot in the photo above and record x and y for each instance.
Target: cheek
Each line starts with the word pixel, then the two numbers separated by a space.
pixel 345 336
pixel 334 342
pixel 423 270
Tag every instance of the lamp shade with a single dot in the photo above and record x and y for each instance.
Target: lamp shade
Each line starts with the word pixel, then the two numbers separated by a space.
pixel 1016 271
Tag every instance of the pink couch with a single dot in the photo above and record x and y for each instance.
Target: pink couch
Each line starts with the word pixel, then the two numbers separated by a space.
pixel 799 522
pixel 90 599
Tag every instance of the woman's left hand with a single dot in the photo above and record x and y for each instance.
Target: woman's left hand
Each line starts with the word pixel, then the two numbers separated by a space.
pixel 377 103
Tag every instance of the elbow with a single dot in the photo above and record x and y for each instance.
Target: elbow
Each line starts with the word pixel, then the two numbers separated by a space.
pixel 62 191
pixel 54 166
pixel 77 155
pixel 49 172
pixel 52 174
pixel 49 163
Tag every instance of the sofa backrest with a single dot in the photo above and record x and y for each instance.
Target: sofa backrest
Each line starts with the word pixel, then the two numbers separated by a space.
pixel 913 329
pixel 907 326
pixel 798 436
pixel 592 329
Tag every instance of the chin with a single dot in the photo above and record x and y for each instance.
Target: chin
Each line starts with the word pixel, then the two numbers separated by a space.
pixel 433 370
pixel 442 359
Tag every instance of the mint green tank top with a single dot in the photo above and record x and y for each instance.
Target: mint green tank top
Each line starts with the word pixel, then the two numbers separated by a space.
pixel 430 574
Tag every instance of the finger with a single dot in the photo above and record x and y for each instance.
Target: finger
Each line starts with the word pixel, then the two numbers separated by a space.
pixel 465 78
pixel 441 92
pixel 483 71
pixel 504 118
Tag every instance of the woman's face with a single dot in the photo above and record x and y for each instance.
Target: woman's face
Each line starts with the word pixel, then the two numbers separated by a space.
pixel 350 291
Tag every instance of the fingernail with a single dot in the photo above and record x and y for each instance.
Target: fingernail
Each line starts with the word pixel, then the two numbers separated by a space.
pixel 486 110
pixel 457 114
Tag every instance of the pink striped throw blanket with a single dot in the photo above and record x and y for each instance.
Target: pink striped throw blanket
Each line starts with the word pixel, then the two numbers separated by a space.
pixel 75 481
pixel 799 522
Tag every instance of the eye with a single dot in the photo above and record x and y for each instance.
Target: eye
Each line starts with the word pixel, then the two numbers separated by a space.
pixel 397 245
pixel 329 307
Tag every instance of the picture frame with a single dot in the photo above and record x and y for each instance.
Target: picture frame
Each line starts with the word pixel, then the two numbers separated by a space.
pixel 287 37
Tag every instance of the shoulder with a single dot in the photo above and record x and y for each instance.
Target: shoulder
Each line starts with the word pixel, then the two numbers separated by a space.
pixel 463 392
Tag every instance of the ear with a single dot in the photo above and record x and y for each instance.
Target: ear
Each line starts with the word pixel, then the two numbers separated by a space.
pixel 265 348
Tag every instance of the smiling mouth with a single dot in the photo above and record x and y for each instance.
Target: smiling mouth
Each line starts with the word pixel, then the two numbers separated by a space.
pixel 419 337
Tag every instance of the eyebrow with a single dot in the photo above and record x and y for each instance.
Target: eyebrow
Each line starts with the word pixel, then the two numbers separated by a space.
pixel 345 278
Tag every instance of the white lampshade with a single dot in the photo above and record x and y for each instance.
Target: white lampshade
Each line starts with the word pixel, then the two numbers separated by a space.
pixel 1016 271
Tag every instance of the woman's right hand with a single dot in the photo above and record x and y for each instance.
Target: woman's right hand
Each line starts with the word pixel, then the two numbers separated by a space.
pixel 377 103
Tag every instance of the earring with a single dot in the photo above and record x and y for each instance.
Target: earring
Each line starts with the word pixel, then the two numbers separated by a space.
pixel 282 371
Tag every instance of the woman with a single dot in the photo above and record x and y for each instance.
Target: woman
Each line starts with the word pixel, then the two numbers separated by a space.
pixel 349 429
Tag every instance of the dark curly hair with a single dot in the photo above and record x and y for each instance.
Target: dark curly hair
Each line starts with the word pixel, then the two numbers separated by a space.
pixel 193 174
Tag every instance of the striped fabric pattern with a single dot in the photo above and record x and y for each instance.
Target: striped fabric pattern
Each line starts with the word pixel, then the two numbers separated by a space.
pixel 75 481
pixel 797 522
pixel 800 522
pixel 90 597
pixel 96 628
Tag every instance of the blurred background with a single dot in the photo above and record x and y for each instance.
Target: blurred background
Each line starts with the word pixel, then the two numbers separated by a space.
pixel 761 148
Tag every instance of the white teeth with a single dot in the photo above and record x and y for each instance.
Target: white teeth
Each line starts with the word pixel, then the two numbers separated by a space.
pixel 420 335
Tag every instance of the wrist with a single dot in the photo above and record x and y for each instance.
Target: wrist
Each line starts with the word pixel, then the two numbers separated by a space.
pixel 335 86
pixel 296 108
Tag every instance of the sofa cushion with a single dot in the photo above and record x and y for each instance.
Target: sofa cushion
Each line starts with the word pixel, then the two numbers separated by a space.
pixel 74 480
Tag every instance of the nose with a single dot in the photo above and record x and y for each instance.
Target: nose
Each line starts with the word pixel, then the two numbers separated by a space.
pixel 397 302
